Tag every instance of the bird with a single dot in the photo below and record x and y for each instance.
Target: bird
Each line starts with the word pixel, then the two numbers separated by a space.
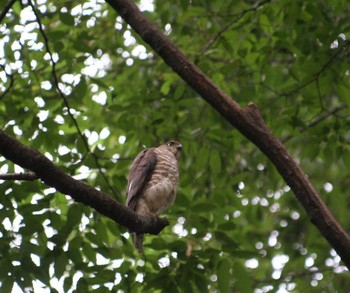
pixel 153 181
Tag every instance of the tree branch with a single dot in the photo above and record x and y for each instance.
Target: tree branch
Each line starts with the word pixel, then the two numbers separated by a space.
pixel 247 120
pixel 12 81
pixel 312 78
pixel 29 176
pixel 319 118
pixel 53 176
pixel 6 9
pixel 236 18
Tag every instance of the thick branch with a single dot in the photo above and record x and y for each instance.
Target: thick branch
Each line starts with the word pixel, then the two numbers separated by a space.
pixel 248 121
pixel 29 176
pixel 53 176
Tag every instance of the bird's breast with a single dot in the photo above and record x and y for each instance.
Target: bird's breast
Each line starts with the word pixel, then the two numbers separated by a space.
pixel 160 191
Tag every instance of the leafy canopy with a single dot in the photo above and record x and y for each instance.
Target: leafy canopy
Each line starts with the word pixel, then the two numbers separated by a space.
pixel 235 225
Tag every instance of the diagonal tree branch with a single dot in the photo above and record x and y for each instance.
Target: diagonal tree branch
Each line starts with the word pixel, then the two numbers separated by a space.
pixel 247 120
pixel 53 176
pixel 28 176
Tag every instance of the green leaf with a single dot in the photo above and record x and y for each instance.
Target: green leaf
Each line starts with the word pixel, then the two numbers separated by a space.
pixel 68 281
pixel 67 19
pixel 60 265
pixel 202 158
pixel 215 162
pixel 224 278
pixel 81 88
pixel 7 284
pixel 74 250
pixel 203 207
pixel 228 226
pixel 157 243
pixel 225 239
pixel 243 280
pixel 89 252
pixel 82 285
pixel 74 215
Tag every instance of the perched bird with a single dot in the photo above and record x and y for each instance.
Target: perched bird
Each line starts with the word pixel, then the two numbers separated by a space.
pixel 153 180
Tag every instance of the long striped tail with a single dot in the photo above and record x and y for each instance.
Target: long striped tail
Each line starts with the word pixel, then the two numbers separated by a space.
pixel 138 242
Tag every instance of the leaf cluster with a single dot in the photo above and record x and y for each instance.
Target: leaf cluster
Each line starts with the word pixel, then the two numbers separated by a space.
pixel 235 226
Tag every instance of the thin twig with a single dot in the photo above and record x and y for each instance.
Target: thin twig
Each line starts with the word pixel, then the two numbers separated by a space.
pixel 333 57
pixel 6 9
pixel 12 81
pixel 237 16
pixel 319 94
pixel 289 277
pixel 65 101
pixel 324 115
pixel 313 78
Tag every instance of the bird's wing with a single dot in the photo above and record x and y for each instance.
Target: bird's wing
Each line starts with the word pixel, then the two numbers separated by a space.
pixel 140 173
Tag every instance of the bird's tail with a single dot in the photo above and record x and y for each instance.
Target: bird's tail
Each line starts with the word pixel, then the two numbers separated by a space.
pixel 138 240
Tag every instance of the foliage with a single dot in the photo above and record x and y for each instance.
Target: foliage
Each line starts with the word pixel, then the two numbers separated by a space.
pixel 235 226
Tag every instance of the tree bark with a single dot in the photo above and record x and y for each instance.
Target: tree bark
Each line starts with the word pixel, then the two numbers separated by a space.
pixel 247 120
pixel 53 176
pixel 29 176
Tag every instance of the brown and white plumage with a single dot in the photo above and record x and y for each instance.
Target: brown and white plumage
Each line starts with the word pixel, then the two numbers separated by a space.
pixel 153 180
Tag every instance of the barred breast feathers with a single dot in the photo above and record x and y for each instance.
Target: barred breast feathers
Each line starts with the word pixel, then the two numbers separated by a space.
pixel 166 167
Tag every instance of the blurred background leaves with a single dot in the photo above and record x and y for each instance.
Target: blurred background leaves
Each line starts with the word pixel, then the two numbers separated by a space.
pixel 235 226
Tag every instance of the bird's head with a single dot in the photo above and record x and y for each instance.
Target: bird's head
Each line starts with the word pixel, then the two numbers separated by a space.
pixel 173 146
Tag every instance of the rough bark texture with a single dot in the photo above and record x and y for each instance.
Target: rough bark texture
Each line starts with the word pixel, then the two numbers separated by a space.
pixel 29 176
pixel 247 120
pixel 53 176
